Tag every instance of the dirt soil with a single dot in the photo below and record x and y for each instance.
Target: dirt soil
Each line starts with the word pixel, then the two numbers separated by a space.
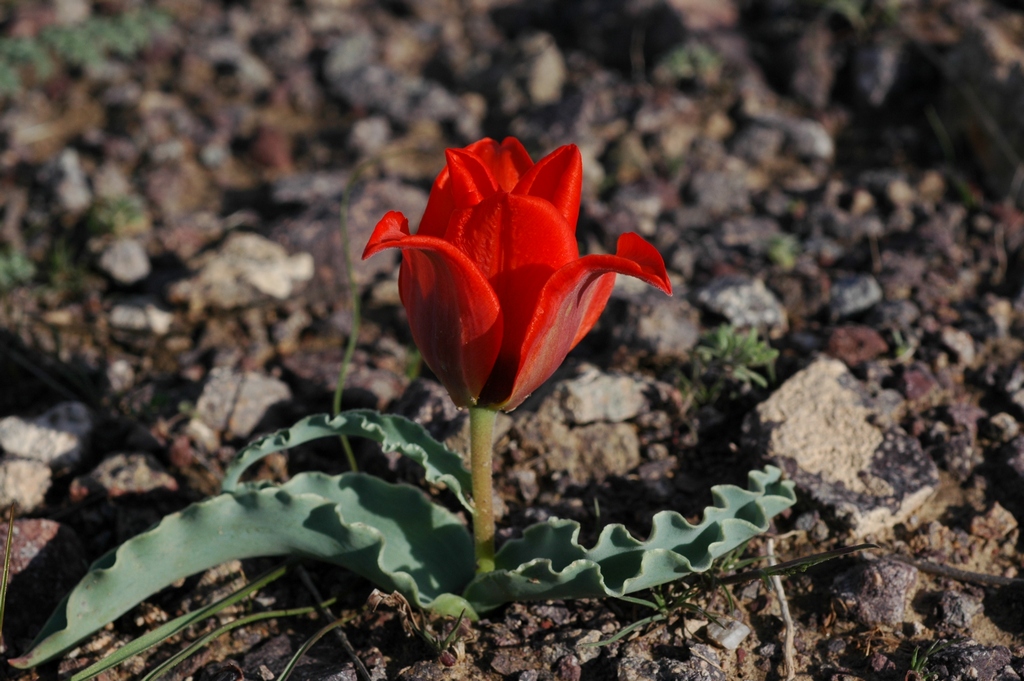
pixel 843 177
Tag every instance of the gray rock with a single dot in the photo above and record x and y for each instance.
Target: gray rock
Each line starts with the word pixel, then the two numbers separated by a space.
pixel 744 302
pixel 1002 427
pixel 806 138
pixel 123 474
pixel 141 314
pixel 758 143
pixel 877 592
pixel 369 135
pixel 23 482
pixel 598 396
pixel 729 632
pixel 720 193
pixel 306 188
pixel 66 181
pixel 125 261
pixel 647 320
pixel 968 660
pixel 591 452
pixel 875 67
pixel 57 438
pixel 47 560
pixel 703 664
pixel 820 427
pixel 245 270
pixel 253 75
pixel 853 295
pixel 960 343
pixel 234 403
pixel 958 608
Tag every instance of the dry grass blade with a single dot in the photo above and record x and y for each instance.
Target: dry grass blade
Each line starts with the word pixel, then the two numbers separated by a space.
pixel 8 548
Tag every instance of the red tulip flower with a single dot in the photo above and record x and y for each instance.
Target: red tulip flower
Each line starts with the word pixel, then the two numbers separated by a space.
pixel 493 283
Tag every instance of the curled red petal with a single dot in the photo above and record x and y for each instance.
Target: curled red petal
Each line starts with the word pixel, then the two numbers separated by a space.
pixel 558 178
pixel 453 312
pixel 470 179
pixel 439 207
pixel 507 161
pixel 568 306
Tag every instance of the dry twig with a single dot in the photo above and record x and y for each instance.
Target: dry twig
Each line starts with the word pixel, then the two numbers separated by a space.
pixel 788 648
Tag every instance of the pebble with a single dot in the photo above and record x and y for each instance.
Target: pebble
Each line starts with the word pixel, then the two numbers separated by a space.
pixel 968 660
pixel 877 592
pixel 235 403
pixel 820 427
pixel 24 482
pixel 720 193
pixel 960 343
pixel 994 524
pixel 47 560
pixel 57 438
pixel 246 269
pixel 875 67
pixel 728 632
pixel 703 664
pixel 1002 427
pixel 598 396
pixel 66 180
pixel 591 452
pixel 744 302
pixel 854 344
pixel 957 608
pixel 125 261
pixel 652 322
pixel 806 138
pixel 853 295
pixel 123 474
pixel 141 314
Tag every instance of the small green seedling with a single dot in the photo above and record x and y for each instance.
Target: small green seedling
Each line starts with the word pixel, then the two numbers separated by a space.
pixel 725 355
pixel 919 660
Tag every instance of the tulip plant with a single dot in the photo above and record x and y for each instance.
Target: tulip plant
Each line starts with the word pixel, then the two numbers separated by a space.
pixel 496 295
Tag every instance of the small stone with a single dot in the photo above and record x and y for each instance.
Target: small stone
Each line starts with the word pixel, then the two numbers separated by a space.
pixel 65 178
pixel 916 382
pixel 806 138
pixel 1002 427
pixel 728 632
pixel 546 65
pixel 597 396
pixel 854 344
pixel 245 270
pixel 47 560
pixel 758 143
pixel 702 664
pixel 235 404
pixel 57 438
pixel 968 660
pixel 120 376
pixel 957 608
pixel 960 343
pixel 877 592
pixel 121 475
pixel 720 193
pixel 995 524
pixel 821 427
pixel 853 295
pixel 125 261
pixel 141 314
pixel 23 482
pixel 370 135
pixel 743 302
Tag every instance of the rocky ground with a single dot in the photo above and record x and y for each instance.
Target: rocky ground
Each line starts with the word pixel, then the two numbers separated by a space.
pixel 842 177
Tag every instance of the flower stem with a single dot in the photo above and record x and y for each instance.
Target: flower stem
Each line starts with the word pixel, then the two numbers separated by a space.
pixel 481 449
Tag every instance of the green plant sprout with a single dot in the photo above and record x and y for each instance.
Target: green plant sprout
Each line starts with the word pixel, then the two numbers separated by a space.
pixel 919 660
pixel 79 45
pixel 417 623
pixel 783 250
pixel 725 355
pixel 15 269
pixel 120 216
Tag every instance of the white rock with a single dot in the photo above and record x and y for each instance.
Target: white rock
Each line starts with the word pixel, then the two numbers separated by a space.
pixel 23 482
pixel 57 438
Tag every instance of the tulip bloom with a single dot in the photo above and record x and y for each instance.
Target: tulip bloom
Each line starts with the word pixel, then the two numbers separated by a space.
pixel 493 283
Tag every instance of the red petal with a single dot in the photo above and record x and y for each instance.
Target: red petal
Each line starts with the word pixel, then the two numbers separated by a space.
pixel 507 161
pixel 507 234
pixel 567 307
pixel 439 207
pixel 453 312
pixel 471 180
pixel 558 178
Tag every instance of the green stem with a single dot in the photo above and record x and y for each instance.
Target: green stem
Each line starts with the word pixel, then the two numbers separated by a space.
pixel 481 450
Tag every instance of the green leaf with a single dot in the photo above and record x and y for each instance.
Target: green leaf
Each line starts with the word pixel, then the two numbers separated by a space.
pixel 548 562
pixel 394 433
pixel 390 534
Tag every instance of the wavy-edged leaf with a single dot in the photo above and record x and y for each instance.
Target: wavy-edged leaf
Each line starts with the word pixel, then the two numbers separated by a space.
pixel 394 433
pixel 390 534
pixel 548 561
